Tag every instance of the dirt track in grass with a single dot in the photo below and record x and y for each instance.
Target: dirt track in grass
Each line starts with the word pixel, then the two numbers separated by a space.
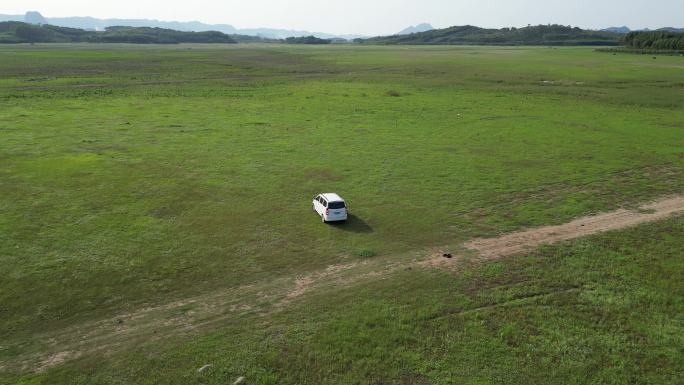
pixel 193 315
pixel 521 241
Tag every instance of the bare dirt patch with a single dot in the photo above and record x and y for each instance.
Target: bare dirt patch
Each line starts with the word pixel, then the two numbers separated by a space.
pixel 526 240
pixel 303 284
pixel 522 241
pixel 55 360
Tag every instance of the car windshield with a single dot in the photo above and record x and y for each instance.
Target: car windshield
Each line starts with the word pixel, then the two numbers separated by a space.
pixel 336 205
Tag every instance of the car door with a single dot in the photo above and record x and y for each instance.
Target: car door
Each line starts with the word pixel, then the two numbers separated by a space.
pixel 324 206
pixel 318 205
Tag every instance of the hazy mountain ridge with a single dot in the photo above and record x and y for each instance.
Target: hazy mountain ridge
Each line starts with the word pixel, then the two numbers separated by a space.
pixel 625 29
pixel 424 27
pixel 91 23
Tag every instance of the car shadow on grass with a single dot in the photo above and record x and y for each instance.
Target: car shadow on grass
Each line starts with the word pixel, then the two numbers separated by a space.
pixel 353 224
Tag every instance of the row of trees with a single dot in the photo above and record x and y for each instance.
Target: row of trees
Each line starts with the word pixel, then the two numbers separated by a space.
pixel 307 40
pixel 655 40
pixel 146 35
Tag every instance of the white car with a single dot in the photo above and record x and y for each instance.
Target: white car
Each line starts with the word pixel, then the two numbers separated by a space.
pixel 330 207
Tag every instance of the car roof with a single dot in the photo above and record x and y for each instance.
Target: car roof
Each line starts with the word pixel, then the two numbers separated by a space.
pixel 332 197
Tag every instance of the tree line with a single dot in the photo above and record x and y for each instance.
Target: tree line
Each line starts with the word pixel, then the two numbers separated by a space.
pixel 18 32
pixel 655 40
pixel 307 40
pixel 531 35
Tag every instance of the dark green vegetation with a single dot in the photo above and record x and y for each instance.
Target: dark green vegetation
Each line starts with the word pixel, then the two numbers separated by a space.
pixel 650 43
pixel 307 40
pixel 533 35
pixel 18 32
pixel 656 40
pixel 134 176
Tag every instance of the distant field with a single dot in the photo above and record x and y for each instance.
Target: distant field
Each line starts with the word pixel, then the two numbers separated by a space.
pixel 132 177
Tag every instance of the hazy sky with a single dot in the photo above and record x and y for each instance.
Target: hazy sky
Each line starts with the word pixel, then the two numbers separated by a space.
pixel 371 17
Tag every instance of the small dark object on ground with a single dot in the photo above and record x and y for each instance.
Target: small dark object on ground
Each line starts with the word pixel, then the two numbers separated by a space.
pixel 366 254
pixel 448 255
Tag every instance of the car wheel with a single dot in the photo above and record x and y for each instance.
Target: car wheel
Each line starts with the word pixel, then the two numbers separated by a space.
pixel 323 219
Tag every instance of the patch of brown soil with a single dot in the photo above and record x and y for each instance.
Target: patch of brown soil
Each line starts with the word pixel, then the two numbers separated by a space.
pixel 526 240
pixel 521 241
pixel 303 284
pixel 55 360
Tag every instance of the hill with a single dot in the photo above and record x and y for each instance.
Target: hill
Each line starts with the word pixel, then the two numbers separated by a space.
pixel 91 23
pixel 533 35
pixel 623 29
pixel 18 32
pixel 424 27
pixel 35 18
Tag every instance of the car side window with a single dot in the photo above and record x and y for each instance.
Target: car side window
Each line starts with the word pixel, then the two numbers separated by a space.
pixel 325 204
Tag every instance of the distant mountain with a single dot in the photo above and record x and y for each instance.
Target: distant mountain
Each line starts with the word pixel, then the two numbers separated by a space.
pixel 671 29
pixel 94 24
pixel 533 35
pixel 34 18
pixel 90 23
pixel 626 29
pixel 623 29
pixel 416 29
pixel 272 33
pixel 11 17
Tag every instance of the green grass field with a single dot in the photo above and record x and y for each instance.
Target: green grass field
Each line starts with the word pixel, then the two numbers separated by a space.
pixel 132 176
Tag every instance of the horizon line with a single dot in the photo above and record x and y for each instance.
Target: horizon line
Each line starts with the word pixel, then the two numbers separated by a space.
pixel 296 29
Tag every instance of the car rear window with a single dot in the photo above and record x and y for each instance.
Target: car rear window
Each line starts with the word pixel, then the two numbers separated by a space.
pixel 336 205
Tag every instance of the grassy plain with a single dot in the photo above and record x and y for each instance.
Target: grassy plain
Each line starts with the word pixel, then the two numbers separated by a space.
pixel 134 176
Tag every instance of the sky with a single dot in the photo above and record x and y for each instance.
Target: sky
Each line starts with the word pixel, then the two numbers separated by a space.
pixel 371 17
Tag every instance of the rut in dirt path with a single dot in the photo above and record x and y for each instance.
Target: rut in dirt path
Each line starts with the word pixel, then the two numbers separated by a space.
pixel 210 310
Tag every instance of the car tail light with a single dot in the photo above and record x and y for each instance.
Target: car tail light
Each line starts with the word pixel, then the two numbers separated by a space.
pixel 327 211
